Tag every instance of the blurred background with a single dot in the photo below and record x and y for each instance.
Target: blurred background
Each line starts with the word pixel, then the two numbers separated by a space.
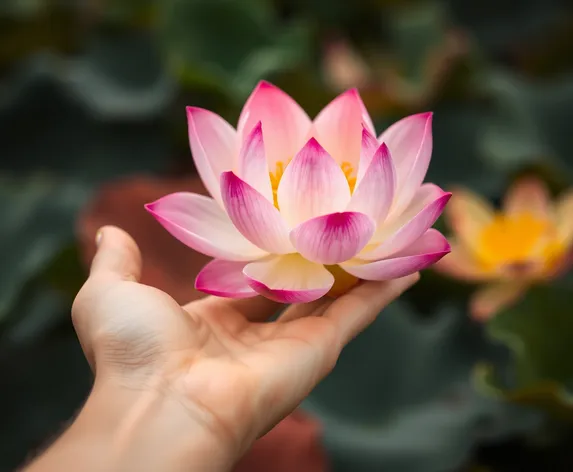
pixel 92 126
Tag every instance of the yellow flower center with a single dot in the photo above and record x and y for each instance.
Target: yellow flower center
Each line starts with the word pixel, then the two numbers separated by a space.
pixel 519 243
pixel 280 167
pixel 276 177
pixel 348 173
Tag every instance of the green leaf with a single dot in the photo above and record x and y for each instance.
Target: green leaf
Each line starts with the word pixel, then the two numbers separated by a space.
pixel 539 333
pixel 228 45
pixel 29 27
pixel 415 33
pixel 65 273
pixel 130 12
pixel 528 124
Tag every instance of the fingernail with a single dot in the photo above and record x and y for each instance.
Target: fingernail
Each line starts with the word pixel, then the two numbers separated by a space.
pixel 99 236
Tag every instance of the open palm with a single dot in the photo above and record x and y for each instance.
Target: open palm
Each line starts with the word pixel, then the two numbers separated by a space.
pixel 234 371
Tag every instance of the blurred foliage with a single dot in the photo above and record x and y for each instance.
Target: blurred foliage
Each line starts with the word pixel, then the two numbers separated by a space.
pixel 37 216
pixel 539 332
pixel 246 38
pixel 401 396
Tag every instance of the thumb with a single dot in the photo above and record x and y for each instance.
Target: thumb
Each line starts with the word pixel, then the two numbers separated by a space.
pixel 117 256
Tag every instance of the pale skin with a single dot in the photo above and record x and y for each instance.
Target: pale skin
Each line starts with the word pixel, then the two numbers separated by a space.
pixel 190 388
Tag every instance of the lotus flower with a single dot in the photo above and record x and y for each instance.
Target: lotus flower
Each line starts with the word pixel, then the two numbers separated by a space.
pixel 529 241
pixel 303 208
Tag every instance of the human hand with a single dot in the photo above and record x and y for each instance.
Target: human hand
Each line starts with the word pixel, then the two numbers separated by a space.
pixel 222 375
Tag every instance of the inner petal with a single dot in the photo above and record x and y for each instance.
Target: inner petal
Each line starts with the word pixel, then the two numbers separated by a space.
pixel 279 169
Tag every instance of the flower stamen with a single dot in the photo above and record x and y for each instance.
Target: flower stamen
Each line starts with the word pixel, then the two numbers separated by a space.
pixel 348 171
pixel 276 177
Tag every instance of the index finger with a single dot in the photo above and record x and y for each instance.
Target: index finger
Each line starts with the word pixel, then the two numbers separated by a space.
pixel 256 309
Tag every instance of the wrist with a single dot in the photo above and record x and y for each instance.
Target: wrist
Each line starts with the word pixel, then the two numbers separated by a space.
pixel 149 429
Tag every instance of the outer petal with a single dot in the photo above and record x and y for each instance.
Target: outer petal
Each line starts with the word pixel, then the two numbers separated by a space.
pixel 289 279
pixel 460 264
pixel 564 218
pixel 253 166
pixel 467 214
pixel 312 185
pixel 214 145
pixel 254 216
pixel 224 279
pixel 422 213
pixel 375 192
pixel 285 124
pixel 199 222
pixel 489 300
pixel 528 195
pixel 338 127
pixel 410 142
pixel 430 248
pixel 333 238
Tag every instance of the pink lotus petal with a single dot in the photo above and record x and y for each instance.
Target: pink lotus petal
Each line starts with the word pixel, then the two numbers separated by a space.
pixel 410 143
pixel 200 223
pixel 214 145
pixel 333 238
pixel 224 279
pixel 253 166
pixel 312 185
pixel 254 216
pixel 289 279
pixel 285 124
pixel 430 248
pixel 528 195
pixel 375 192
pixel 368 148
pixel 422 213
pixel 168 265
pixel 338 127
pixel 491 299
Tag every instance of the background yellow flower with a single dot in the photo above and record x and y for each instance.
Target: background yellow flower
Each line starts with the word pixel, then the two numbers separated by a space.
pixel 525 242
